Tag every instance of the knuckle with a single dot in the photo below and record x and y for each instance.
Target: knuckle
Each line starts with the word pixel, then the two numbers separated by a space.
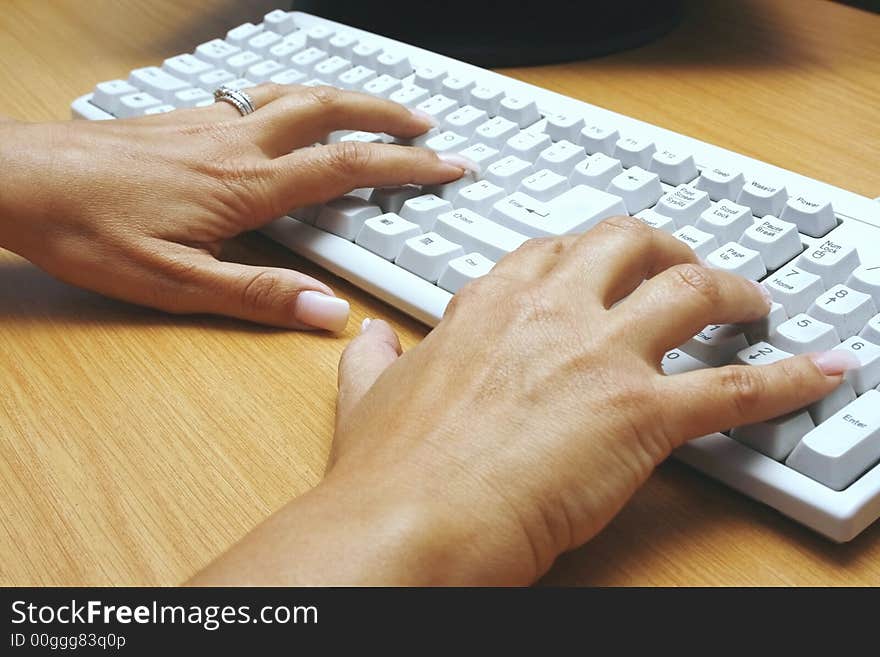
pixel 696 280
pixel 261 291
pixel 628 224
pixel 325 96
pixel 743 386
pixel 535 244
pixel 350 157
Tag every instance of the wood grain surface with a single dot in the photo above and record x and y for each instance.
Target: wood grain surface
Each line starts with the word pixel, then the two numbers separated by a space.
pixel 135 446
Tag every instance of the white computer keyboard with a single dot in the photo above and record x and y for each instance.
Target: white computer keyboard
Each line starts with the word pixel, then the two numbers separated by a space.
pixel 553 165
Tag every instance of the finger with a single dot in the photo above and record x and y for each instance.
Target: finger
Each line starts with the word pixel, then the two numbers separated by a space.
pixel 265 295
pixel 363 360
pixel 618 254
pixel 702 402
pixel 305 115
pixel 677 303
pixel 316 175
pixel 533 259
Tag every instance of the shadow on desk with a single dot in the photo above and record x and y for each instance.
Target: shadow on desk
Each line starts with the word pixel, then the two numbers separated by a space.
pixel 680 506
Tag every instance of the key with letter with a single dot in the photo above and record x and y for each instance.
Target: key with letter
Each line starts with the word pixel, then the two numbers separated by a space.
pixel 386 234
pixel 476 233
pixel 573 211
pixel 427 255
pixel 464 269
pixel 794 288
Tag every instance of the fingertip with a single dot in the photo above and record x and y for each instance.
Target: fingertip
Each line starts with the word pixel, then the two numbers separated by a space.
pixel 835 363
pixel 321 310
pixel 424 118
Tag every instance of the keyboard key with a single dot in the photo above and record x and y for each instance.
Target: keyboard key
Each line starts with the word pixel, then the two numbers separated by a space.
pixel 264 70
pixel 465 120
pixel 794 288
pixel 831 403
pixel 634 152
pixel 573 211
pixel 240 83
pixel 802 334
pixel 814 217
pixel 346 215
pixel 763 197
pixel 508 172
pixel 839 450
pixel 871 331
pixel 737 259
pixel 431 78
pixel 721 182
pixel 726 220
pixel 481 154
pixel 476 233
pixel 391 199
pixel 831 260
pixel 288 47
pixel 382 85
pixel 495 132
pixel 486 98
pixel 240 62
pixel 763 328
pixel 306 60
pixel 659 221
pixel 464 269
pixel 239 35
pixel 761 353
pixel 155 81
pixel 638 188
pixel 522 111
pixel 423 210
pixel 867 375
pixel 561 157
pixel 342 44
pixel 319 36
pixel 288 76
pixel 479 197
pixel 775 438
pixel 680 362
pixel 562 126
pixel 597 170
pixel 717 344
pixel 437 106
pixel 356 77
pixel 159 109
pixel 526 145
pixel 449 191
pixel 458 88
pixel 216 51
pixel 332 67
pixel 213 79
pixel 365 54
pixel 673 167
pixel 447 142
pixel 186 67
pixel 409 95
pixel 701 242
pixel 777 241
pixel 385 235
pixel 599 139
pixel 280 21
pixel 427 255
pixel 136 104
pixel 192 97
pixel 845 309
pixel 866 278
pixel 544 185
pixel 261 43
pixel 395 64
pixel 107 95
pixel 684 204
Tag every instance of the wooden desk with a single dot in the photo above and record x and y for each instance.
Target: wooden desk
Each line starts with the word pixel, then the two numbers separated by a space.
pixel 134 446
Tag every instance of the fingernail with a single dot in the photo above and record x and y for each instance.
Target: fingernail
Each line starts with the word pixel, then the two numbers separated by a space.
pixel 365 324
pixel 835 362
pixel 321 310
pixel 459 161
pixel 764 293
pixel 424 116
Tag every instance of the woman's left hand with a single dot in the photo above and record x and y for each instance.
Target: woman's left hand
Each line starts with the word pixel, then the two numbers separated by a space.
pixel 138 209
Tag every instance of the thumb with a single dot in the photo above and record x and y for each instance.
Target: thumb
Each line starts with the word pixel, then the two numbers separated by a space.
pixel 266 295
pixel 363 360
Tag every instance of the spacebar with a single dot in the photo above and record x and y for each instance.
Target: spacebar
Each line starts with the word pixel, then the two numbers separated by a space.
pixel 378 276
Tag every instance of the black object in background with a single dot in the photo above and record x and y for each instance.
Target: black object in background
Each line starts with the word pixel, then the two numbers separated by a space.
pixel 508 32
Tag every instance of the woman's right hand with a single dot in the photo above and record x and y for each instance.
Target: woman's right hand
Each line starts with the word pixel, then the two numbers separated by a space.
pixel 521 425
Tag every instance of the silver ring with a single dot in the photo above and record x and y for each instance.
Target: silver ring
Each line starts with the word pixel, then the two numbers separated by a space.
pixel 235 97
